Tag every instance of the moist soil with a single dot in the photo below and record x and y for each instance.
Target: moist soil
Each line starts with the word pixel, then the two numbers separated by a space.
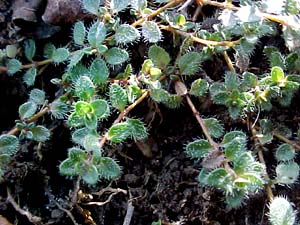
pixel 163 186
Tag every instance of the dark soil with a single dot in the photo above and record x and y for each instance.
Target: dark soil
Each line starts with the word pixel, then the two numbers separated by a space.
pixel 161 187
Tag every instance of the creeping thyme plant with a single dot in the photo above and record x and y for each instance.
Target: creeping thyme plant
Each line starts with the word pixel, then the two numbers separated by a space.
pixel 100 83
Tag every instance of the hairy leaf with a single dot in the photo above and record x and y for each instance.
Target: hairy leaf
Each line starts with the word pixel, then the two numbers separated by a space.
pixel 287 173
pixel 13 66
pixel 37 96
pixel 151 31
pixel 159 56
pixel 118 5
pixel 115 56
pixel 27 109
pixel 79 33
pixel 107 167
pixel 8 144
pixel 281 212
pixel 126 34
pixel 91 6
pixel 60 55
pixel 29 49
pixel 119 132
pixel 118 96
pixel 29 77
pixel 96 34
pixel 199 87
pixel 98 71
pixel 40 133
pixel 198 149
pixel 84 88
pixel 189 63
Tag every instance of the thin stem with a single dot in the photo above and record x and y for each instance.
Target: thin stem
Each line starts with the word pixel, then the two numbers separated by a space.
pixel 199 40
pixel 229 62
pixel 157 12
pixel 35 117
pixel 123 114
pixel 262 161
pixel 284 139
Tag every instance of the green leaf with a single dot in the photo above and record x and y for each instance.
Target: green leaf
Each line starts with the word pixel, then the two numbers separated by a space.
pixel 98 71
pixel 250 79
pixel 151 31
pixel 8 144
pixel 285 152
pixel 232 81
pixel 115 56
pixel 75 120
pixel 243 162
pixel 77 155
pixel 91 175
pixel 118 5
pixel 13 66
pixel 138 5
pixel 91 6
pixel 79 33
pixel 189 63
pixel 91 142
pixel 281 212
pixel 29 77
pixel 29 49
pixel 118 96
pixel 287 173
pixel 84 88
pixel 159 56
pixel 217 178
pixel 215 128
pixel 234 149
pixel 235 199
pixel 59 109
pixel 90 121
pixel 232 135
pixel 40 133
pixel 198 149
pixel 134 92
pixel 107 168
pixel 37 96
pixel 277 74
pixel 126 34
pixel 119 132
pixel 101 108
pixel 27 109
pixel 11 51
pixel 67 167
pixel 79 135
pixel 75 58
pixel 199 87
pixel 96 34
pixel 49 50
pixel 60 55
pixel 137 129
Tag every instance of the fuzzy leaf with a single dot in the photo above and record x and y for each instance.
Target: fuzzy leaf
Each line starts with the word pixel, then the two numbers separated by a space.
pixel 198 149
pixel 119 132
pixel 115 56
pixel 248 13
pixel 96 34
pixel 75 58
pixel 126 34
pixel 287 173
pixel 90 121
pixel 66 167
pixel 199 87
pixel 277 74
pixel 151 31
pixel 215 128
pixel 84 88
pixel 250 79
pixel 235 199
pixel 29 49
pixel 217 178
pixel 189 63
pixel 281 212
pixel 232 135
pixel 137 129
pixel 91 175
pixel 234 148
pixel 118 96
pixel 11 51
pixel 101 108
pixel 91 6
pixel 77 154
pixel 78 135
pixel 13 66
pixel 75 120
pixel 40 133
pixel 118 5
pixel 59 109
pixel 138 4
pixel 8 144
pixel 159 56
pixel 49 50
pixel 98 71
pixel 285 152
pixel 91 142
pixel 29 77
pixel 231 81
pixel 107 167
pixel 79 33
pixel 27 109
pixel 133 92
pixel 37 96
pixel 60 55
